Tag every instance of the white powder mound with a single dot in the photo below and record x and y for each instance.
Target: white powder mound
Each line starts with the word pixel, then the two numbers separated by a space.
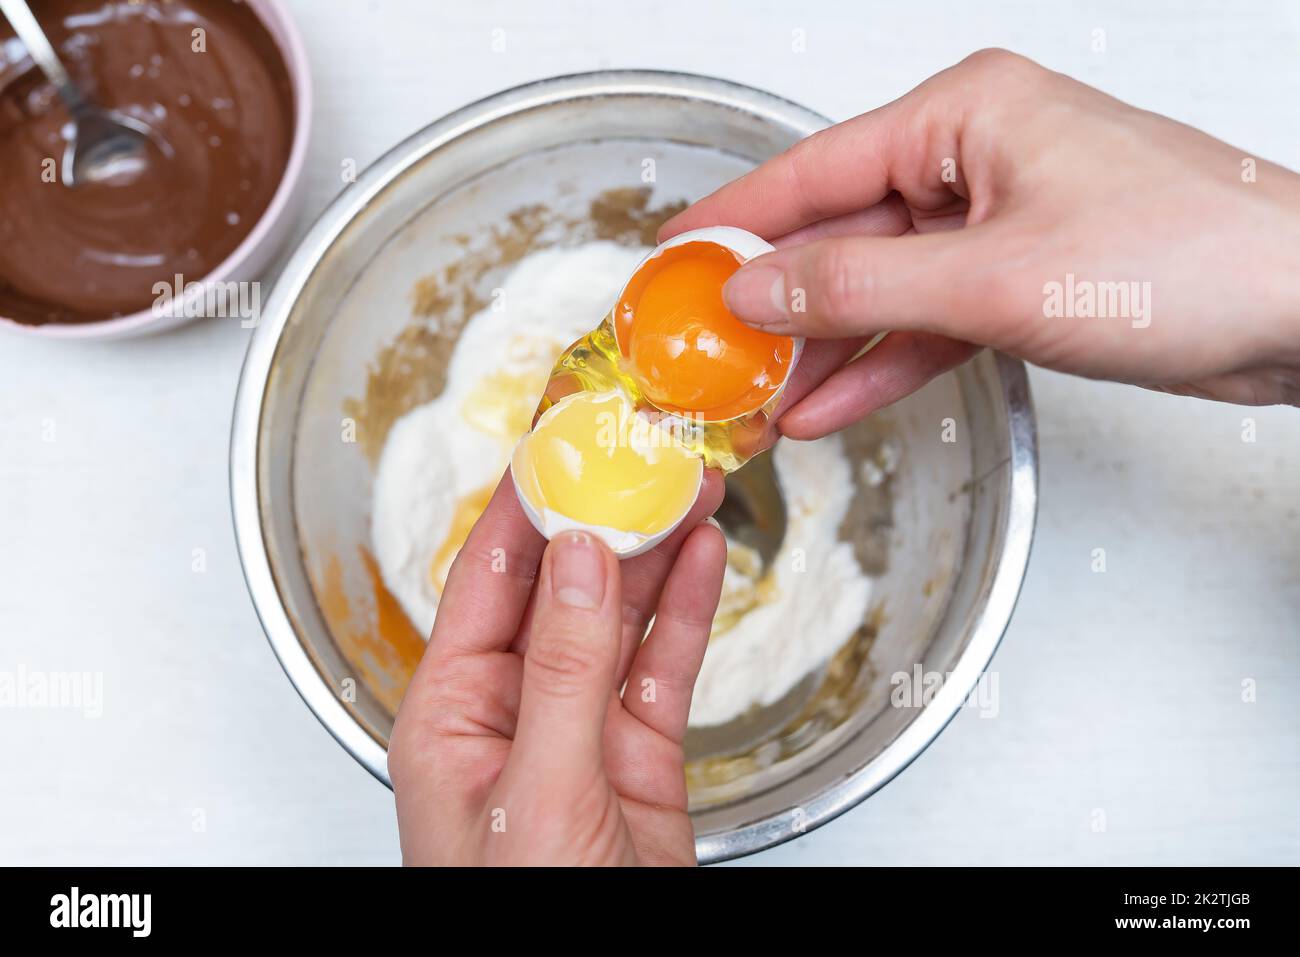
pixel 816 601
pixel 447 451
pixel 434 456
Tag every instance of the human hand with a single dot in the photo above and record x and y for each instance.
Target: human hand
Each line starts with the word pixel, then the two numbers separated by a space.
pixel 513 744
pixel 946 215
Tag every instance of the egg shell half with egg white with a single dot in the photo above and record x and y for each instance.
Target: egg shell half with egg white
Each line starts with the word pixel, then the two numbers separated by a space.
pixel 652 482
pixel 745 246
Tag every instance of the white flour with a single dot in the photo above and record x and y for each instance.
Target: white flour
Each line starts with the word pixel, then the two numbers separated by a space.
pixel 435 456
pixel 814 600
pixel 441 458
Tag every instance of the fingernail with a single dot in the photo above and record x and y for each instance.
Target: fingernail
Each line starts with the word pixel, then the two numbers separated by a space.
pixel 577 570
pixel 714 522
pixel 756 294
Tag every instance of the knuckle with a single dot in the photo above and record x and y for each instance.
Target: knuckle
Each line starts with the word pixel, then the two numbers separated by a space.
pixel 463 698
pixel 987 56
pixel 684 615
pixel 635 620
pixel 996 60
pixel 1003 69
pixel 450 705
pixel 806 159
pixel 561 664
pixel 839 290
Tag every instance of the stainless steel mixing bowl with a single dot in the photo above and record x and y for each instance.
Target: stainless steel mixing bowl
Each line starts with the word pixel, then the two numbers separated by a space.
pixel 357 331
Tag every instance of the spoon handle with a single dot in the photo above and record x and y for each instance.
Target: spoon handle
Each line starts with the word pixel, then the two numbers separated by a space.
pixel 19 15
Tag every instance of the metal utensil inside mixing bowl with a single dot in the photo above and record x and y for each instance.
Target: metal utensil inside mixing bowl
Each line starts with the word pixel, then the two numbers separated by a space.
pixel 348 341
pixel 753 512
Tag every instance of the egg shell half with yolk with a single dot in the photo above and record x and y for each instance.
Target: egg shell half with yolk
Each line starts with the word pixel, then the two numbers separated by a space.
pixel 689 353
pixel 591 463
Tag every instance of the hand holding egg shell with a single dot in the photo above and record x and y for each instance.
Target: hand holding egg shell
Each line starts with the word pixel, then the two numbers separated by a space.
pixel 669 383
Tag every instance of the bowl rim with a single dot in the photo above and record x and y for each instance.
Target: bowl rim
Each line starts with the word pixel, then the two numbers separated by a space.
pixel 276 19
pixel 1022 468
pixel 986 632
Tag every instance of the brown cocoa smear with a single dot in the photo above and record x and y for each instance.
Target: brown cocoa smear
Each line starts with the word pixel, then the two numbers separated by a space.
pixel 208 78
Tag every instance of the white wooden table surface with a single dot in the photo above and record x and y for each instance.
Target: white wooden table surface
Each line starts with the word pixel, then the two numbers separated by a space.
pixel 1121 693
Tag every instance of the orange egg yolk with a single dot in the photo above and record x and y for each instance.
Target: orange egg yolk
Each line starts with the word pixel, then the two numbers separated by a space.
pixel 690 354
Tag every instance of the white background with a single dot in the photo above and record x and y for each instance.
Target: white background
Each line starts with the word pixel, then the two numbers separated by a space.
pixel 1120 692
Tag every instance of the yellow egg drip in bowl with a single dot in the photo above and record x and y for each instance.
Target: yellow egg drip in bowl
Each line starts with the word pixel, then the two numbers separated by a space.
pixel 670 381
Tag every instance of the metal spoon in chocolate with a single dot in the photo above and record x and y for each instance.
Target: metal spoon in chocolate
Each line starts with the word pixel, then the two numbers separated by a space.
pixel 106 145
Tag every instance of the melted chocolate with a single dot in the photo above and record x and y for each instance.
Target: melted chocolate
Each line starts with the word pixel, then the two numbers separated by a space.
pixel 225 113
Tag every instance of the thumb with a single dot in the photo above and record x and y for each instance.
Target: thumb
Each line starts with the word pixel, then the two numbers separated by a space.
pixel 861 285
pixel 571 658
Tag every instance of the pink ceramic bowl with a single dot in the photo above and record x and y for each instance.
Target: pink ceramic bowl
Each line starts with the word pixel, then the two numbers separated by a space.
pixel 252 256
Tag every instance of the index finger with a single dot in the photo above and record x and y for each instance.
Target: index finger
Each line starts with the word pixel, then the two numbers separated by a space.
pixel 848 167
pixel 491 579
pixel 836 171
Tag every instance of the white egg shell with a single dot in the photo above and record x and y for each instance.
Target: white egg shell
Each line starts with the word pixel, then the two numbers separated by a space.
pixel 744 244
pixel 622 543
